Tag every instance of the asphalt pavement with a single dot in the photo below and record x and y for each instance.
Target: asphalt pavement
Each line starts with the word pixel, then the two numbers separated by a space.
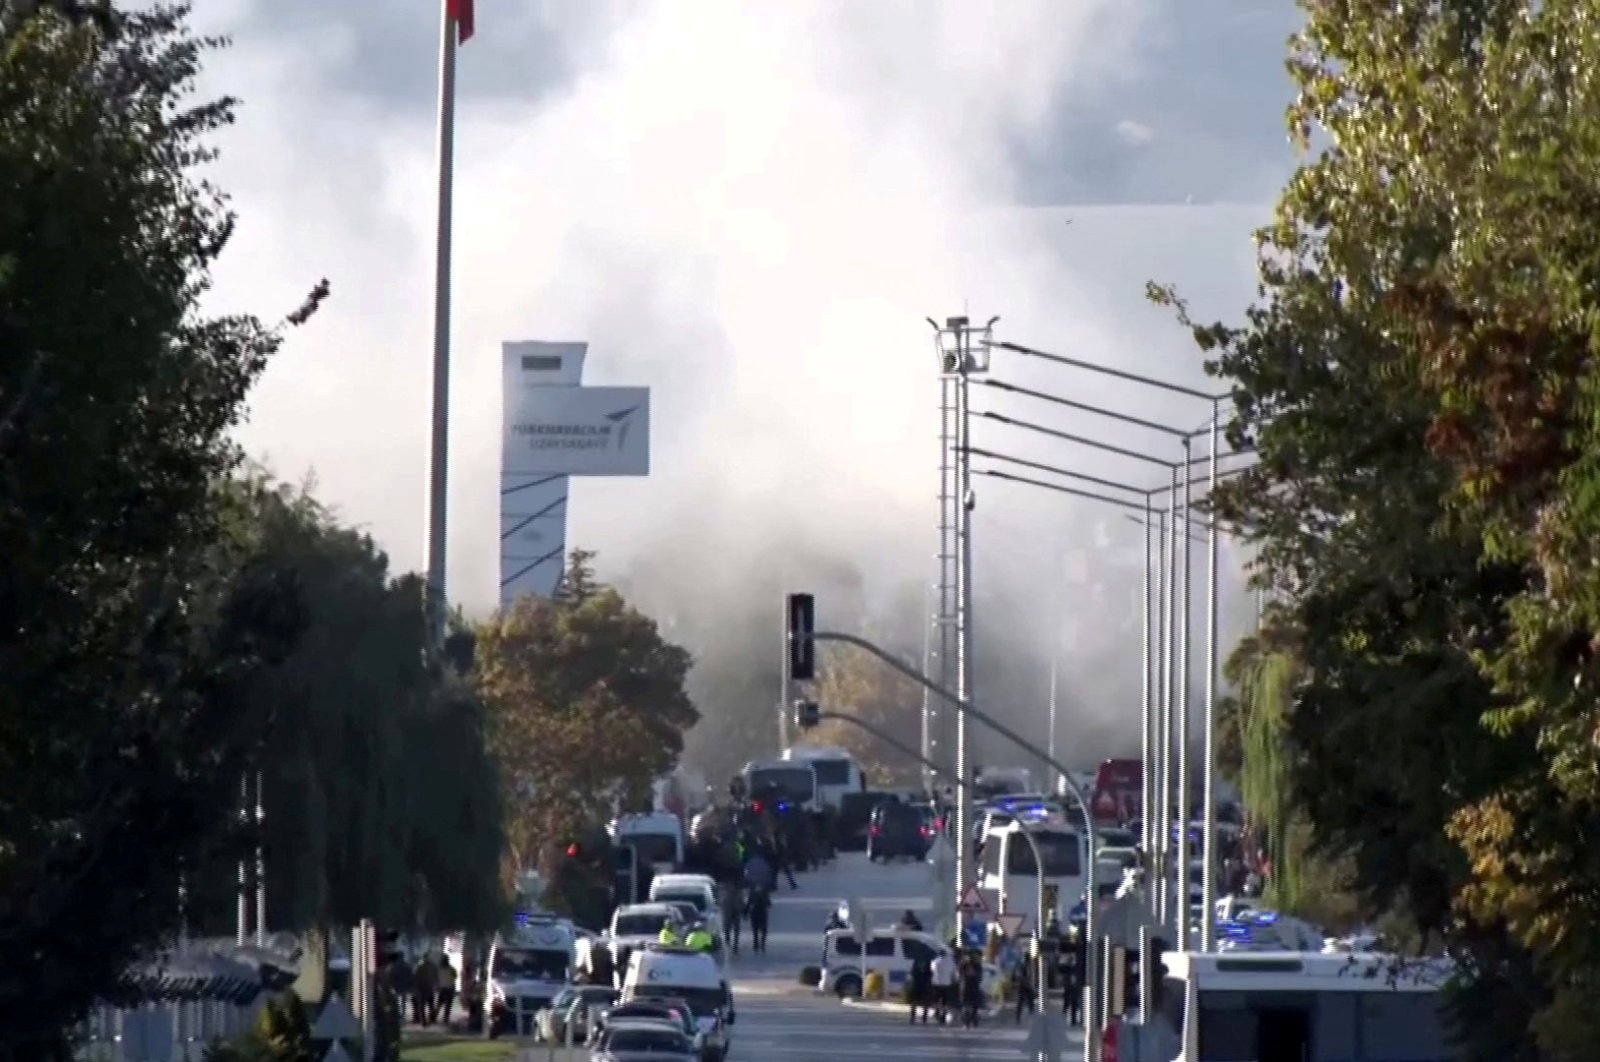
pixel 781 1020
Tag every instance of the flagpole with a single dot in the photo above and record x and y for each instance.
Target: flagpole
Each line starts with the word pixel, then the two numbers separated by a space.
pixel 439 439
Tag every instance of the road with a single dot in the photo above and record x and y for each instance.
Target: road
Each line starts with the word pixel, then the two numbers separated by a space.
pixel 780 1020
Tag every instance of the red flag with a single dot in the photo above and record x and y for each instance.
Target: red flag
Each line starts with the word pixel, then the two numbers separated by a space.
pixel 460 11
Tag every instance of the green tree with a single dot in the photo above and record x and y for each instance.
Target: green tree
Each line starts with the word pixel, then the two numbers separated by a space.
pixel 586 706
pixel 381 798
pixel 128 632
pixel 1403 254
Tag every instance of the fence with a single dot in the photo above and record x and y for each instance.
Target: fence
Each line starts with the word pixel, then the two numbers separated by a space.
pixel 178 1031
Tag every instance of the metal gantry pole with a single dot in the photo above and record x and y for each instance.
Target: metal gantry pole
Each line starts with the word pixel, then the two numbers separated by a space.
pixel 926 736
pixel 1169 710
pixel 1208 850
pixel 964 877
pixel 1147 738
pixel 1183 727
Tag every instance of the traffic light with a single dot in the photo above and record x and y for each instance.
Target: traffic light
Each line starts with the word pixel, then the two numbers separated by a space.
pixel 806 714
pixel 801 625
pixel 574 850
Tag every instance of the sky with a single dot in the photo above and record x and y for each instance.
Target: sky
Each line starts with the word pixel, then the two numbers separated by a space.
pixel 751 209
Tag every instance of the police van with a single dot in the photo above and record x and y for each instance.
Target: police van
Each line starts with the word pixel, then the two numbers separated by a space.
pixel 890 952
pixel 694 978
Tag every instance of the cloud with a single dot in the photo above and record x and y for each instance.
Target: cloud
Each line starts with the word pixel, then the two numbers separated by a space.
pixel 749 208
pixel 1132 132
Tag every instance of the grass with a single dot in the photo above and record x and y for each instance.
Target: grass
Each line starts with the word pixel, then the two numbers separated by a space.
pixel 437 1048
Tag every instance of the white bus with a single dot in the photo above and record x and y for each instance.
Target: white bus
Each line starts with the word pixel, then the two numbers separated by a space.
pixel 1237 1007
pixel 1009 871
pixel 836 771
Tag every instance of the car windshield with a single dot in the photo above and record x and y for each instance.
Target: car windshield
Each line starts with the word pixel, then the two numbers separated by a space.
pixel 646 1011
pixel 641 924
pixel 650 1041
pixel 831 772
pixel 798 784
pixel 652 847
pixel 702 1002
pixel 692 897
pixel 529 964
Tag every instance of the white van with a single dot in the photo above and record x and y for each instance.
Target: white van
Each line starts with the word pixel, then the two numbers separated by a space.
pixel 693 977
pixel 1008 869
pixel 657 840
pixel 699 891
pixel 891 952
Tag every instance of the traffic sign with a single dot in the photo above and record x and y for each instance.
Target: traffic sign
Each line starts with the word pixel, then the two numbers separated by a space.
pixel 1011 924
pixel 972 901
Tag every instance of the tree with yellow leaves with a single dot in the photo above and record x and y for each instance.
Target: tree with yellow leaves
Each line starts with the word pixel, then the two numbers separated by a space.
pixel 586 706
pixel 851 682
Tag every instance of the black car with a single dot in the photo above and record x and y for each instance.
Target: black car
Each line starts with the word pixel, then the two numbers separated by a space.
pixel 854 819
pixel 898 830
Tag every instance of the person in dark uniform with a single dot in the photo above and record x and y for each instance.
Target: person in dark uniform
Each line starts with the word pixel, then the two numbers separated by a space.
pixel 760 912
pixel 1072 967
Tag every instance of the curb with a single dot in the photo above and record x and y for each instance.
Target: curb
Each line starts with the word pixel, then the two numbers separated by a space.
pixel 889 1007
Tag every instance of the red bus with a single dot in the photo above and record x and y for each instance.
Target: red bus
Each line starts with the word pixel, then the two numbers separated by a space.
pixel 1118 792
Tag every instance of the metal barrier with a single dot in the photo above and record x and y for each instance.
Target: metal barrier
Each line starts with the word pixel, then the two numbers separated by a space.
pixel 168 1032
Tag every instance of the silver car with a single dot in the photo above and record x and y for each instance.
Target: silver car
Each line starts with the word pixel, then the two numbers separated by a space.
pixel 637 1040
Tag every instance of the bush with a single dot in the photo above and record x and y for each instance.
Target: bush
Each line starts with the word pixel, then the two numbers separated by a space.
pixel 282 1034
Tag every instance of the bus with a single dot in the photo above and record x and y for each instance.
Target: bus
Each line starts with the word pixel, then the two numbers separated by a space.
pixel 793 781
pixel 1223 1007
pixel 836 771
pixel 1009 871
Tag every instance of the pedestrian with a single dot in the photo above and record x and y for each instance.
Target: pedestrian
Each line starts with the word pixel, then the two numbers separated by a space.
pixel 1072 982
pixel 424 984
pixel 971 990
pixel 919 987
pixel 945 976
pixel 445 997
pixel 733 913
pixel 782 861
pixel 758 872
pixel 1025 988
pixel 760 911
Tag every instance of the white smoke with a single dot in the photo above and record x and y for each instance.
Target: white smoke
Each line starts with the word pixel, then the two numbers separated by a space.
pixel 751 208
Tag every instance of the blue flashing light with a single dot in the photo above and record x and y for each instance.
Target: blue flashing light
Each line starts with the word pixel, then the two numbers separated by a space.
pixel 1266 918
pixel 783 805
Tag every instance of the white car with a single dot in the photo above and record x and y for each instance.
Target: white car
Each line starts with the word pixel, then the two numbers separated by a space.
pixel 690 976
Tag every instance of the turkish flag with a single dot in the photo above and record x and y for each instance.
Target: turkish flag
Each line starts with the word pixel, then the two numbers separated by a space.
pixel 460 11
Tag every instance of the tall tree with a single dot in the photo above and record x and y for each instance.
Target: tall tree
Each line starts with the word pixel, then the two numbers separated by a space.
pixel 127 635
pixel 382 801
pixel 586 707
pixel 1414 381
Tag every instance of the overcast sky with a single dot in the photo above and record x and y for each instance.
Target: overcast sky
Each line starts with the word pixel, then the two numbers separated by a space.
pixel 751 208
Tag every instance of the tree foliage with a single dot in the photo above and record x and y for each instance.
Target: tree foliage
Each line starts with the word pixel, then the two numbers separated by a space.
pixel 381 798
pixel 130 635
pixel 851 682
pixel 1418 379
pixel 586 706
